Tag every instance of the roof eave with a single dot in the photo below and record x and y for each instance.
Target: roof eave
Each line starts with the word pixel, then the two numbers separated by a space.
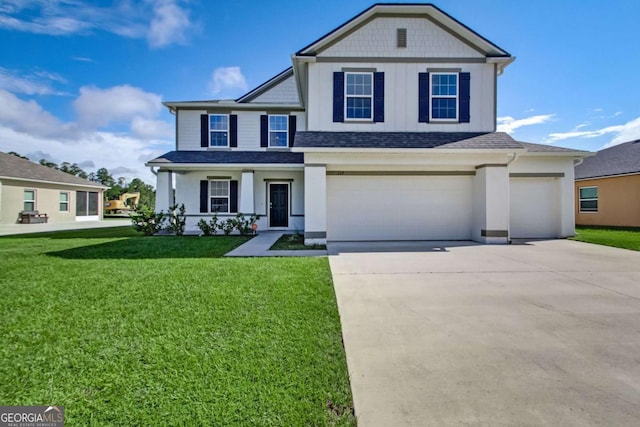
pixel 405 150
pixel 44 181
pixel 187 166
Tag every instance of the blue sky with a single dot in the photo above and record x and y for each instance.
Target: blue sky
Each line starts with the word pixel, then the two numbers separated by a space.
pixel 82 81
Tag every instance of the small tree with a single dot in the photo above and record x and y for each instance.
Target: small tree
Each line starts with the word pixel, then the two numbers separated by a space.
pixel 147 221
pixel 177 219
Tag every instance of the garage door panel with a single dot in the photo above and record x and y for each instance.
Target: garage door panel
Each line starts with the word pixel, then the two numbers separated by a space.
pixel 398 208
pixel 534 208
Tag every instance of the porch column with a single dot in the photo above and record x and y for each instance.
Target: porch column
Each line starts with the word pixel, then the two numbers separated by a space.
pixel 315 204
pixel 246 193
pixel 164 191
pixel 491 204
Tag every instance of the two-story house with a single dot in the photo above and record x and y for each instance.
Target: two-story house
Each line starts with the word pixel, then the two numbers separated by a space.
pixel 383 129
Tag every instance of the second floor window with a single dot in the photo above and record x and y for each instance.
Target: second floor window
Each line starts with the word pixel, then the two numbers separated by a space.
pixel 444 96
pixel 358 96
pixel 278 131
pixel 218 130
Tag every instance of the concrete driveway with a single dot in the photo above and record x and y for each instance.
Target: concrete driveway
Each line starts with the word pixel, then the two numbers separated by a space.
pixel 455 333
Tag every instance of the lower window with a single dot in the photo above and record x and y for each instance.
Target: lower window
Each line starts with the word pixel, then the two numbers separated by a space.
pixel 219 194
pixel 64 202
pixel 86 203
pixel 588 199
pixel 29 200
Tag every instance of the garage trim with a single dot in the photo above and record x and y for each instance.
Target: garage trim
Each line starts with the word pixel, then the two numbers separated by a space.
pixel 537 175
pixel 401 173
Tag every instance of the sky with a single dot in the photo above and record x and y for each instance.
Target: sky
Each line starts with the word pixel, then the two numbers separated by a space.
pixel 83 81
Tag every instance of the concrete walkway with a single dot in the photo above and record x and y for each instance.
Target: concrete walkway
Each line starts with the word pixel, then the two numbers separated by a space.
pixel 455 333
pixel 259 246
pixel 10 229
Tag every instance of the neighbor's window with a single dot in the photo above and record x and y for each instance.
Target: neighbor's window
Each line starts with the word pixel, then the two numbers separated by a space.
pixel 64 202
pixel 358 96
pixel 278 131
pixel 588 199
pixel 218 130
pixel 444 96
pixel 29 200
pixel 219 196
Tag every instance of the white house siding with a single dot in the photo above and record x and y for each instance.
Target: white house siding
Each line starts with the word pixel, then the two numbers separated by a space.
pixel 378 38
pixel 188 192
pixel 188 122
pixel 285 92
pixel 248 130
pixel 536 196
pixel 401 98
pixel 399 207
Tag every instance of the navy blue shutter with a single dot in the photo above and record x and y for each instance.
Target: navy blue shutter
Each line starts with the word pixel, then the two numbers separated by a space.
pixel 292 130
pixel 204 130
pixel 464 96
pixel 233 130
pixel 338 96
pixel 204 196
pixel 264 131
pixel 233 196
pixel 423 97
pixel 378 97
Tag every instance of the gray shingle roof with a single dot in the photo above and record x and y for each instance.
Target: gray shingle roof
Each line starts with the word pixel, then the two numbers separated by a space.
pixel 17 168
pixel 462 140
pixel 544 148
pixel 230 157
pixel 617 160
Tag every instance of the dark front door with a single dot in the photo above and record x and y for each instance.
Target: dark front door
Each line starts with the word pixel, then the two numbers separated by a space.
pixel 278 205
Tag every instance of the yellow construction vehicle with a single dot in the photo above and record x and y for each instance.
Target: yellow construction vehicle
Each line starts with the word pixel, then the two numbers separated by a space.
pixel 122 206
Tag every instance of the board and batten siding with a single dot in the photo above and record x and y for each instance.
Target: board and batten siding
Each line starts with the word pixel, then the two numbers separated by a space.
pixel 401 98
pixel 248 129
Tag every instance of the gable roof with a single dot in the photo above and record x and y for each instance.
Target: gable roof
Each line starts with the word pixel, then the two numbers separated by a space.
pixel 13 167
pixel 620 159
pixel 427 10
pixel 228 157
pixel 266 86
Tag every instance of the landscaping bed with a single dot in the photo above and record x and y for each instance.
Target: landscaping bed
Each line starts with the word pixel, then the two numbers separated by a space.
pixel 128 330
pixel 294 242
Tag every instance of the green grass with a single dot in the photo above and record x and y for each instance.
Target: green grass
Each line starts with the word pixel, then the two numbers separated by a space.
pixel 293 242
pixel 129 330
pixel 619 238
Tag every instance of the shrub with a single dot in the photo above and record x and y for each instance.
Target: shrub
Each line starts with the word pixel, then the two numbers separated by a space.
pixel 244 226
pixel 209 228
pixel 228 226
pixel 147 221
pixel 177 219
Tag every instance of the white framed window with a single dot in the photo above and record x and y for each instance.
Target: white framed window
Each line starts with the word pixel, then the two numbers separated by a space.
pixel 64 201
pixel 219 196
pixel 588 199
pixel 29 200
pixel 218 130
pixel 358 96
pixel 278 131
pixel 443 100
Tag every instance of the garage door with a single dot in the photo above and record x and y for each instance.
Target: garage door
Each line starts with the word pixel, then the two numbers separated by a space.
pixel 398 207
pixel 534 208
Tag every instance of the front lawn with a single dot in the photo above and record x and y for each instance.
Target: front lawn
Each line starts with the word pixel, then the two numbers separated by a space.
pixel 626 239
pixel 128 330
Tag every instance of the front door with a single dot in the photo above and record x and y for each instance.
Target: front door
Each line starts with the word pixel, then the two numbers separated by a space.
pixel 278 205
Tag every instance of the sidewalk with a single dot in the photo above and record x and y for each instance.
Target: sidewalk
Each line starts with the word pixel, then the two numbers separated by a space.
pixel 11 229
pixel 259 246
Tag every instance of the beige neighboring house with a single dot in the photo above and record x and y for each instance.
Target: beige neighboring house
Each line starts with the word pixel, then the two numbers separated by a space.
pixel 27 186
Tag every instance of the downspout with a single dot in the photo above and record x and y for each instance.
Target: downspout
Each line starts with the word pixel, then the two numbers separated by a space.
pixel 515 156
pixel 155 172
pixel 579 161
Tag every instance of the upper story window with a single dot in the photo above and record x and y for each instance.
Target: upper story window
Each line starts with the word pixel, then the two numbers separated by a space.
pixel 444 96
pixel 278 131
pixel 218 130
pixel 358 96
pixel 588 199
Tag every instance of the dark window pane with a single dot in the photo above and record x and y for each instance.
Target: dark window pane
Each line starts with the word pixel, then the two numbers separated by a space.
pixel 219 204
pixel 93 203
pixel 589 193
pixel 278 139
pixel 359 108
pixel 589 205
pixel 443 108
pixel 81 203
pixel 219 139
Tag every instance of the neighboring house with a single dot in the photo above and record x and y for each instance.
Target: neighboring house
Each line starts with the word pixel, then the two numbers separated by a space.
pixel 608 187
pixel 383 129
pixel 27 186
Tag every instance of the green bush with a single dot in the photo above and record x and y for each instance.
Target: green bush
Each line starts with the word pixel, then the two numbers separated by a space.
pixel 244 226
pixel 209 228
pixel 177 219
pixel 147 221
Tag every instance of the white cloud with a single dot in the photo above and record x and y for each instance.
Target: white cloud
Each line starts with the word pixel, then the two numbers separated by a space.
pixel 620 133
pixel 97 107
pixel 31 118
pixel 151 129
pixel 168 24
pixel 161 22
pixel 227 79
pixel 509 124
pixel 553 137
pixel 38 82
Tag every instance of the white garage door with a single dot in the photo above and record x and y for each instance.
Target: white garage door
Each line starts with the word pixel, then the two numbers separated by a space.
pixel 398 207
pixel 534 208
